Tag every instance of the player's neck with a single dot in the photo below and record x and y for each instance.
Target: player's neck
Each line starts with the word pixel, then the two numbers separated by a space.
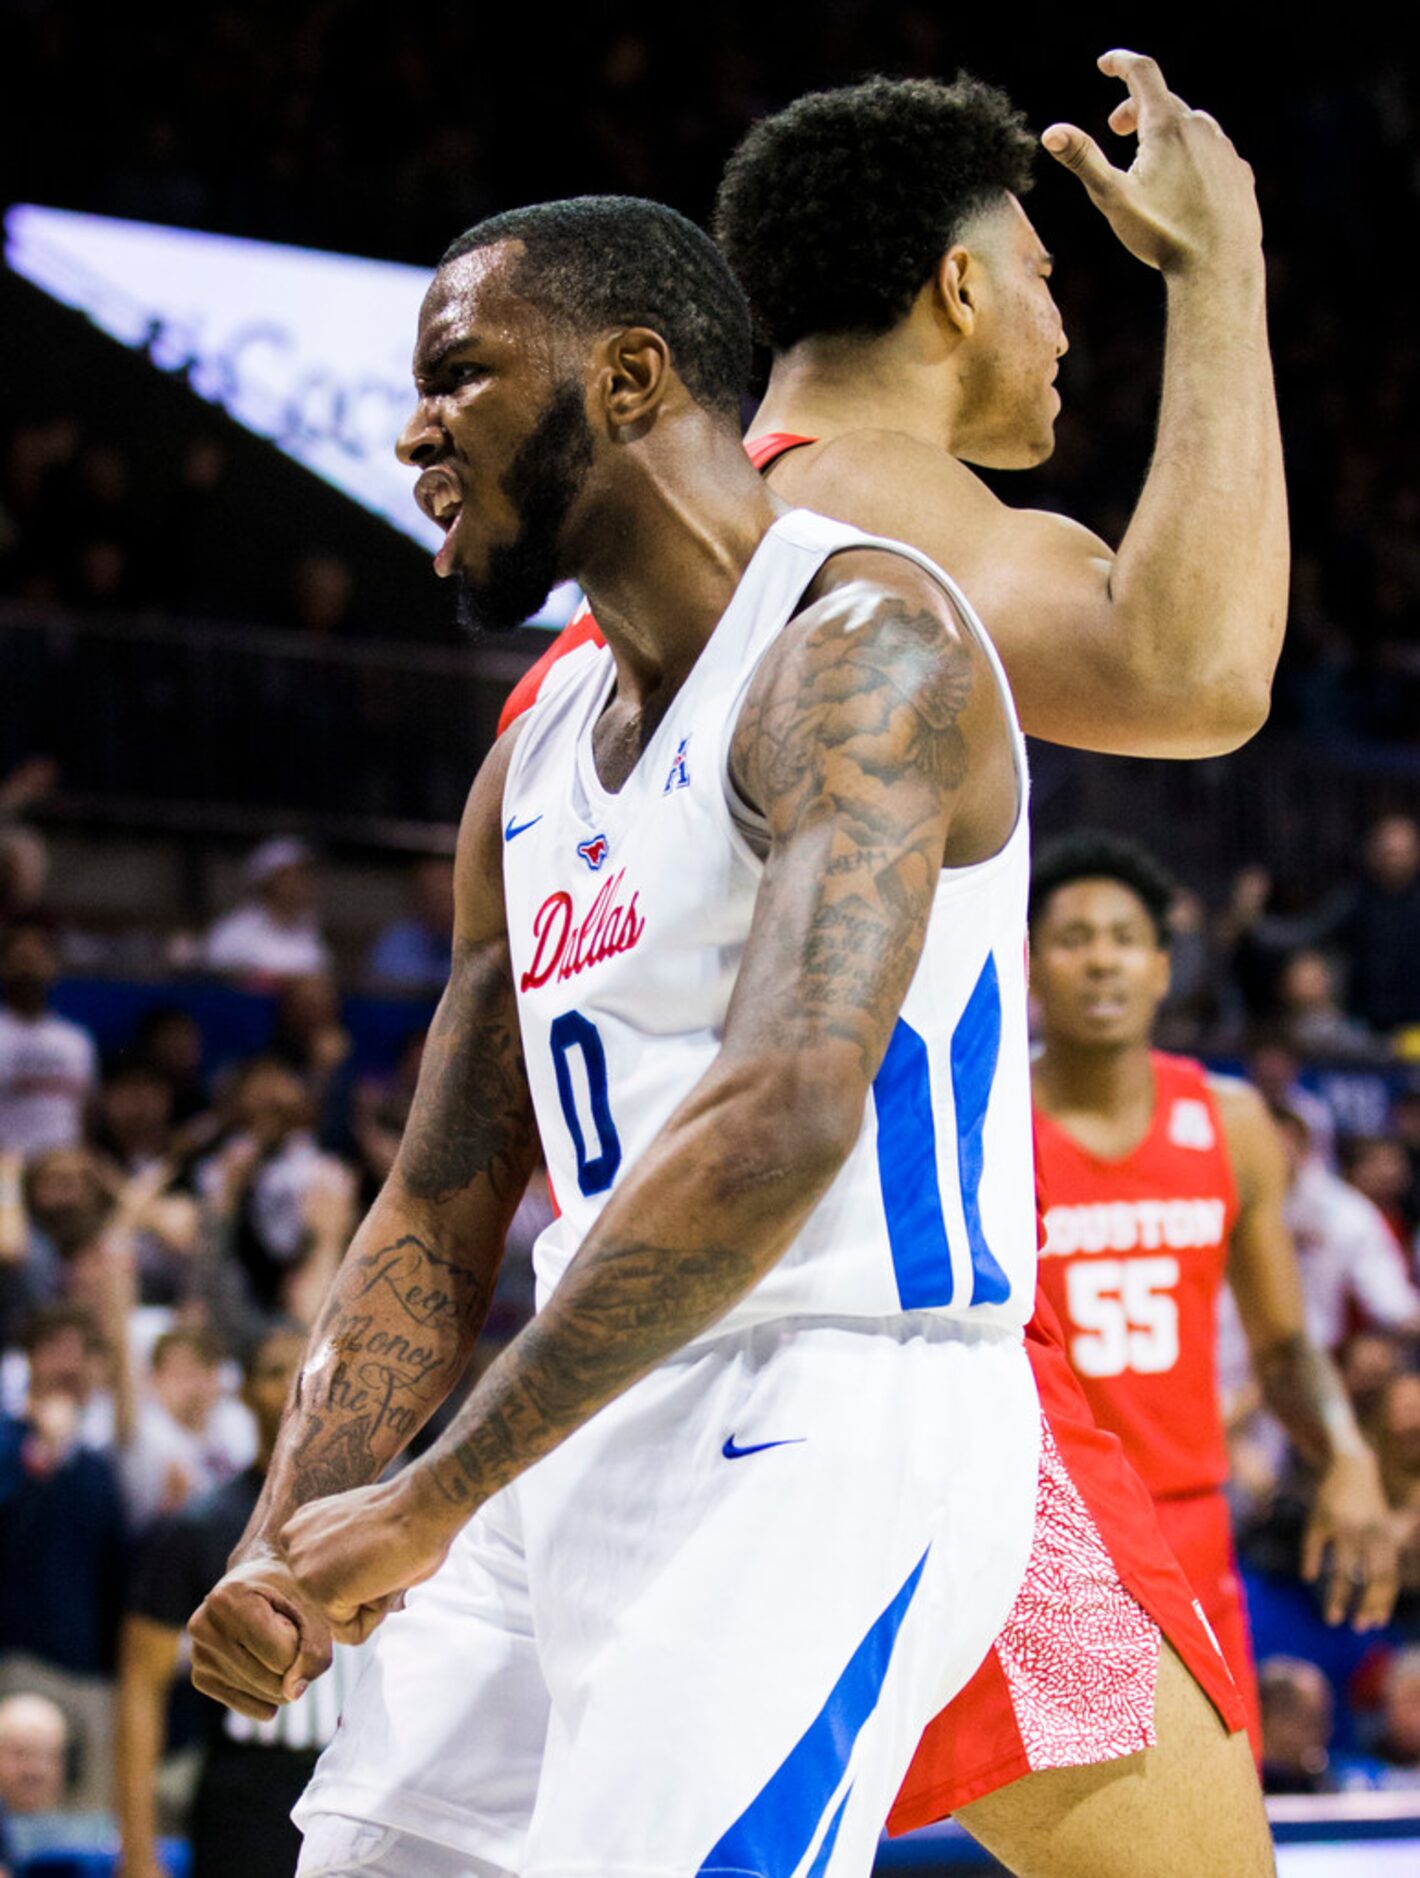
pixel 663 557
pixel 1113 1085
pixel 827 386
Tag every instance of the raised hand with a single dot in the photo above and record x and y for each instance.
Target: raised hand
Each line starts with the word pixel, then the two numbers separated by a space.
pixel 1188 200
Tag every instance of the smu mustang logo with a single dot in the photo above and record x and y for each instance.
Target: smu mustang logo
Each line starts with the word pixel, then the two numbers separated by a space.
pixel 594 851
pixel 562 947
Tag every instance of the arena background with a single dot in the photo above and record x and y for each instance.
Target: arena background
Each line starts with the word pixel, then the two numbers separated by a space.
pixel 203 646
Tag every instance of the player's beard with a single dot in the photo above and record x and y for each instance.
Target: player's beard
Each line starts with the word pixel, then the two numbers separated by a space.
pixel 543 481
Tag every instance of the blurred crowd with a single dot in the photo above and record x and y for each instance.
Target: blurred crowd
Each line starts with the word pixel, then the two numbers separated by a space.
pixel 328 123
pixel 164 1217
pixel 82 528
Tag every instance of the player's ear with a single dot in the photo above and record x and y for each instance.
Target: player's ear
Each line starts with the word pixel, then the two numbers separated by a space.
pixel 954 286
pixel 633 379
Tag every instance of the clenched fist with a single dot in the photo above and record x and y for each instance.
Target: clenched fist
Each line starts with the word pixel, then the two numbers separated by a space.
pixel 355 1554
pixel 257 1640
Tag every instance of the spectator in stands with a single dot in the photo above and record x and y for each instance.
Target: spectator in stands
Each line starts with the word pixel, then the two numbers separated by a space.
pixel 169 1040
pixel 311 1038
pixel 1374 921
pixel 24 863
pixel 414 954
pixel 24 858
pixel 1256 940
pixel 1379 1166
pixel 1275 1068
pixel 1348 1262
pixel 103 562
pixel 133 1124
pixel 1405 1126
pixel 1370 1361
pixel 1399 1744
pixel 1296 1726
pixel 189 1437
pixel 1310 1016
pixel 34 1746
pixel 1380 928
pixel 38 465
pixel 252 1772
pixel 21 1290
pixel 322 590
pixel 1346 1252
pixel 1201 1001
pixel 274 933
pixel 1395 1761
pixel 259 1186
pixel 134 1145
pixel 69 1343
pixel 47 1218
pixel 48 1066
pixel 66 1198
pixel 62 1552
pixel 1398 1441
pixel 379 1110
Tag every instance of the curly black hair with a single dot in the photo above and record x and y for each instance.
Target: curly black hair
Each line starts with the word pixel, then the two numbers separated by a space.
pixel 596 261
pixel 1089 854
pixel 834 211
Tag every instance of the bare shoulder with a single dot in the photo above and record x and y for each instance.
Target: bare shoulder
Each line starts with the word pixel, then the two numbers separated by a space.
pixel 1238 1101
pixel 1254 1146
pixel 478 860
pixel 869 611
pixel 880 480
pixel 875 669
pixel 908 489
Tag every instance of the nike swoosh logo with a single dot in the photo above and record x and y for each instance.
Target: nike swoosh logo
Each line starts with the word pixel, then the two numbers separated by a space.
pixel 733 1453
pixel 516 828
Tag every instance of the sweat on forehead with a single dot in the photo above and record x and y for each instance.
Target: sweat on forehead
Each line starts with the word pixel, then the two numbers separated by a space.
pixel 598 262
pixel 473 297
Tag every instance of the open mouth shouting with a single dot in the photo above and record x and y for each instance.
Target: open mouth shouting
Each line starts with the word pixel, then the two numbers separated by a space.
pixel 439 495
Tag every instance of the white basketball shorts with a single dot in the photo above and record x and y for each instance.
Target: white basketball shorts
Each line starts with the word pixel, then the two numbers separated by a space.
pixel 705 1634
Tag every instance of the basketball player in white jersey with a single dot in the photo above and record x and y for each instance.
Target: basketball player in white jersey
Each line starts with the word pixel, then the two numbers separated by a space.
pixel 740 934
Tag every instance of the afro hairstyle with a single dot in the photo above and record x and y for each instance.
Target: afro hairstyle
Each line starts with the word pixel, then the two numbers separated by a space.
pixel 835 211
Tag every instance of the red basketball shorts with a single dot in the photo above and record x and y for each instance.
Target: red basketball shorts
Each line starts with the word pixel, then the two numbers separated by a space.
pixel 1199 1533
pixel 1070 1680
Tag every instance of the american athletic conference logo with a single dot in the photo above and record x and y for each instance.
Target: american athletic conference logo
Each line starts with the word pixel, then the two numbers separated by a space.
pixel 679 777
pixel 594 851
pixel 563 946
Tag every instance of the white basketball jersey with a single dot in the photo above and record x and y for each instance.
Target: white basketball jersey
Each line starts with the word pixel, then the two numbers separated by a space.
pixel 627 916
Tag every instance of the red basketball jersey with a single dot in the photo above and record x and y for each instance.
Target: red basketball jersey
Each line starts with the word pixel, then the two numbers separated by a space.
pixel 1134 1255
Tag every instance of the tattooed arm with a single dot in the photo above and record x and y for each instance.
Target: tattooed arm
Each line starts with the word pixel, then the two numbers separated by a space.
pixel 400 1322
pixel 1350 1531
pixel 856 743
